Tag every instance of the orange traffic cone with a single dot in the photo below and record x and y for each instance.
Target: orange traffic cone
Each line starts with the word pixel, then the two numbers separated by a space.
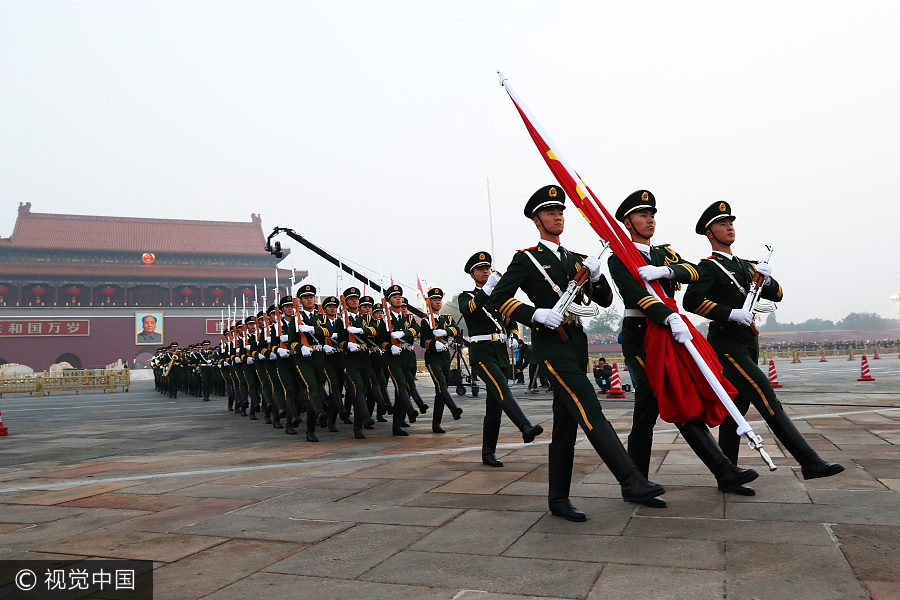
pixel 615 386
pixel 773 376
pixel 865 371
pixel 876 357
pixel 3 429
pixel 823 359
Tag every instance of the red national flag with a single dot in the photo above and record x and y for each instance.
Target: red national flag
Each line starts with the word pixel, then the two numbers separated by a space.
pixel 682 389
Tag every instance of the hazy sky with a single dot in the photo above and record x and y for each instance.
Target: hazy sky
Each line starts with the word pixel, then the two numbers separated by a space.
pixel 372 128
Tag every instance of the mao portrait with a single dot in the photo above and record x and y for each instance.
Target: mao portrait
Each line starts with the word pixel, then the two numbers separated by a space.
pixel 148 328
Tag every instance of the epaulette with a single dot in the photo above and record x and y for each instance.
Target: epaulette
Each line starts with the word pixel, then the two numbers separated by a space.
pixel 663 246
pixel 710 257
pixel 526 249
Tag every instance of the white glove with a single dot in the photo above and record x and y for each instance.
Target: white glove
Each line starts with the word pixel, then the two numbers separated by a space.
pixel 440 333
pixel 439 346
pixel 512 343
pixel 249 360
pixel 355 330
pixel 220 366
pixel 492 281
pixel 739 315
pixel 246 347
pixel 283 338
pixel 283 352
pixel 649 272
pixel 352 347
pixel 268 340
pixel 306 329
pixel 237 360
pixel 548 317
pixel 227 364
pixel 396 334
pixel 679 329
pixel 395 350
pixel 764 269
pixel 262 356
pixel 273 356
pixel 334 337
pixel 593 265
pixel 329 350
pixel 306 351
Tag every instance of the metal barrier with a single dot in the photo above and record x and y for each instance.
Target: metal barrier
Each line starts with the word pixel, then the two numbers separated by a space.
pixel 42 384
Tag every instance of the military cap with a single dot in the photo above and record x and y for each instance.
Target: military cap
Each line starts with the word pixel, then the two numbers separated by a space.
pixel 366 301
pixel 260 314
pixel 479 259
pixel 547 197
pixel 714 212
pixel 205 342
pixel 393 291
pixel 286 301
pixel 249 320
pixel 351 292
pixel 404 302
pixel 271 309
pixel 435 293
pixel 306 290
pixel 639 200
pixel 330 301
pixel 173 345
pixel 377 308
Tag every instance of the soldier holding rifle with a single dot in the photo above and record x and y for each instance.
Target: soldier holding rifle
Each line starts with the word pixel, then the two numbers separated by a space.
pixel 489 332
pixel 543 272
pixel 719 295
pixel 396 330
pixel 436 330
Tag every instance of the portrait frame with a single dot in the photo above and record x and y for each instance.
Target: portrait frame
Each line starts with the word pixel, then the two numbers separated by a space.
pixel 139 328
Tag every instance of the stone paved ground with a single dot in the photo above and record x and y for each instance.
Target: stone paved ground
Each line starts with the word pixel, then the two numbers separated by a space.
pixel 233 509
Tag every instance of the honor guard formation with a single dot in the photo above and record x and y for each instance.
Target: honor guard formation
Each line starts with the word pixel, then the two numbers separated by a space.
pixel 299 361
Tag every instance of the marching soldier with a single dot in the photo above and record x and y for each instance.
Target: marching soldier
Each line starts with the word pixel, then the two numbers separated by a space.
pixel 265 364
pixel 239 371
pixel 352 342
pixel 436 342
pixel 333 363
pixel 719 296
pixel 285 367
pixel 376 370
pixel 560 345
pixel 250 358
pixel 408 354
pixel 396 330
pixel 489 332
pixel 207 358
pixel 307 339
pixel 637 212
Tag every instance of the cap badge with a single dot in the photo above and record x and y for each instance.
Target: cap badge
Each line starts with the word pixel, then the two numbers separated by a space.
pixel 645 196
pixel 552 192
pixel 722 206
pixel 481 256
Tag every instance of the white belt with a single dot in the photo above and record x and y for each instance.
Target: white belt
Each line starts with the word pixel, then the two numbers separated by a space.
pixel 492 337
pixel 633 312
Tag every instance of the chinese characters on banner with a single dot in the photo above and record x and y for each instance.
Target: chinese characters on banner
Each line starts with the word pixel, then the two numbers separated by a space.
pixel 44 327
pixel 213 327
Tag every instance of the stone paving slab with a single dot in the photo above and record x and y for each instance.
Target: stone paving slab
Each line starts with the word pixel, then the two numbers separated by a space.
pixel 725 530
pixel 145 502
pixel 352 552
pixel 137 545
pixel 186 514
pixel 499 574
pixel 44 533
pixel 74 493
pixel 630 582
pixel 487 532
pixel 266 528
pixel 277 585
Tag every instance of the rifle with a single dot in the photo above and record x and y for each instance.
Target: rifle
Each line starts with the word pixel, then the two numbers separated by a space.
pixel 566 303
pixel 303 339
pixel 754 292
pixel 431 321
pixel 352 336
pixel 390 327
pixel 278 321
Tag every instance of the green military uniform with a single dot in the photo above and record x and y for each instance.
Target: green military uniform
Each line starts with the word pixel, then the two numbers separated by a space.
pixel 542 275
pixel 437 360
pixel 410 361
pixel 393 359
pixel 376 380
pixel 723 286
pixel 333 364
pixel 641 305
pixel 350 341
pixel 489 359
pixel 309 360
pixel 207 369
pixel 287 389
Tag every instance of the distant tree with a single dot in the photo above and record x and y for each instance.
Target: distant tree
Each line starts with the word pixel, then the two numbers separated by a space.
pixel 606 322
pixel 867 322
pixel 815 325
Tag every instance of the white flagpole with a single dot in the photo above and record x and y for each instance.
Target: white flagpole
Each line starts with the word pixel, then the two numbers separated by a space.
pixel 743 427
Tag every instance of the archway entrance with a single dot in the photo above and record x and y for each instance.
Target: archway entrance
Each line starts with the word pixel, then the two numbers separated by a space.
pixel 70 358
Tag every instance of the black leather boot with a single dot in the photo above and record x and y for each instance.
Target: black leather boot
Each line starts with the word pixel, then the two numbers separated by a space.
pixel 437 414
pixel 730 443
pixel 560 461
pixel 515 414
pixel 728 476
pixel 811 464
pixel 362 410
pixel 414 394
pixel 635 487
pixel 318 408
pixel 404 405
pixel 490 433
pixel 639 451
pixel 450 403
pixel 388 407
